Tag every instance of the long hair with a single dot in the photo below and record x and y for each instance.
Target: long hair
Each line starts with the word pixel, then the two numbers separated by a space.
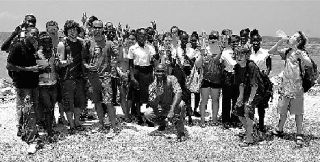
pixel 69 25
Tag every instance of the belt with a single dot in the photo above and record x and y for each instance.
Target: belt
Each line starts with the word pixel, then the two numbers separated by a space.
pixel 144 69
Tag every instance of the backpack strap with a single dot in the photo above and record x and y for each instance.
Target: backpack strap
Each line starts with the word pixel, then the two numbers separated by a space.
pixel 300 68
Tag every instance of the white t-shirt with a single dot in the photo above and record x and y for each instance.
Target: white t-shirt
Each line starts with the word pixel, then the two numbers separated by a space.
pixel 227 58
pixel 141 56
pixel 260 58
pixel 190 52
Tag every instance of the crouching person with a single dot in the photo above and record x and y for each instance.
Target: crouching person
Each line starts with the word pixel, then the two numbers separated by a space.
pixel 164 99
pixel 248 79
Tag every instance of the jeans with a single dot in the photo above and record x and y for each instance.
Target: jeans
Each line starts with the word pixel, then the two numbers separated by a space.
pixel 47 100
pixel 26 103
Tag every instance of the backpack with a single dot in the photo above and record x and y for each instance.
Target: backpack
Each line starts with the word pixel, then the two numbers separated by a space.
pixel 309 75
pixel 264 83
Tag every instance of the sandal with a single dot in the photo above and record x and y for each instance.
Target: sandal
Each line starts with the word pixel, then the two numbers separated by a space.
pixel 246 144
pixel 241 134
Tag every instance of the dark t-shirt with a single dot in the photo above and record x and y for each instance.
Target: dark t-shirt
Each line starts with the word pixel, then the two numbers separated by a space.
pixel 75 69
pixel 249 76
pixel 102 59
pixel 23 55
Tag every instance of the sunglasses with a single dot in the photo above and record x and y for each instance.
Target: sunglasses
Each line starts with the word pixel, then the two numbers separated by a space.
pixel 95 27
pixel 213 37
pixel 132 39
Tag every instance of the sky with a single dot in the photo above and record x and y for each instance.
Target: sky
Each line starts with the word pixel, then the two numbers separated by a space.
pixel 189 15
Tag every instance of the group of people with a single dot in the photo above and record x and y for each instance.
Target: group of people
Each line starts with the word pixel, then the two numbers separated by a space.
pixel 96 60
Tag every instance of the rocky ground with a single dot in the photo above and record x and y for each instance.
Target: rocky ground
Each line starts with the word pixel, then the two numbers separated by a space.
pixel 142 143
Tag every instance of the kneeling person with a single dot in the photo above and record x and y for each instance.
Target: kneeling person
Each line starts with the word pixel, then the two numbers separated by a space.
pixel 165 96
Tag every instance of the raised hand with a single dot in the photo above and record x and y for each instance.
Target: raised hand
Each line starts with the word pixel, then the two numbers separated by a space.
pixel 84 18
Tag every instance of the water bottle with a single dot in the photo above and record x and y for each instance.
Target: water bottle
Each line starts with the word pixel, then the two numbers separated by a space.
pixel 281 34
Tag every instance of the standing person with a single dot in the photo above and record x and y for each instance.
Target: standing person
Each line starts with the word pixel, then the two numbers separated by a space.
pixel 229 90
pixel 52 28
pixel 71 76
pixel 184 61
pixel 164 99
pixel 291 91
pixel 29 21
pixel 194 40
pixel 140 57
pixel 212 77
pixel 24 71
pixel 113 51
pixel 98 67
pixel 244 38
pixel 47 83
pixel 123 71
pixel 225 37
pixel 175 36
pixel 262 59
pixel 248 81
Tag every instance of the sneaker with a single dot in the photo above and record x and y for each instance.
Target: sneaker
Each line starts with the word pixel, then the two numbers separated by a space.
pixel 181 137
pixel 71 131
pixel 161 128
pixel 277 133
pixel 62 121
pixel 80 128
pixel 226 125
pixel 149 123
pixel 32 148
pixel 196 114
pixel 299 140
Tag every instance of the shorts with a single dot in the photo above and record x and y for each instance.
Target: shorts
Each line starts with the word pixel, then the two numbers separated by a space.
pixel 95 88
pixel 248 111
pixel 294 105
pixel 106 89
pixel 207 84
pixel 73 94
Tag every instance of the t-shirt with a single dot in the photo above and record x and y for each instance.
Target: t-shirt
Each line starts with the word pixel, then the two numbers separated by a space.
pixel 291 85
pixel 190 52
pixel 162 95
pixel 74 52
pixel 260 58
pixel 227 58
pixel 141 55
pixel 249 76
pixel 23 55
